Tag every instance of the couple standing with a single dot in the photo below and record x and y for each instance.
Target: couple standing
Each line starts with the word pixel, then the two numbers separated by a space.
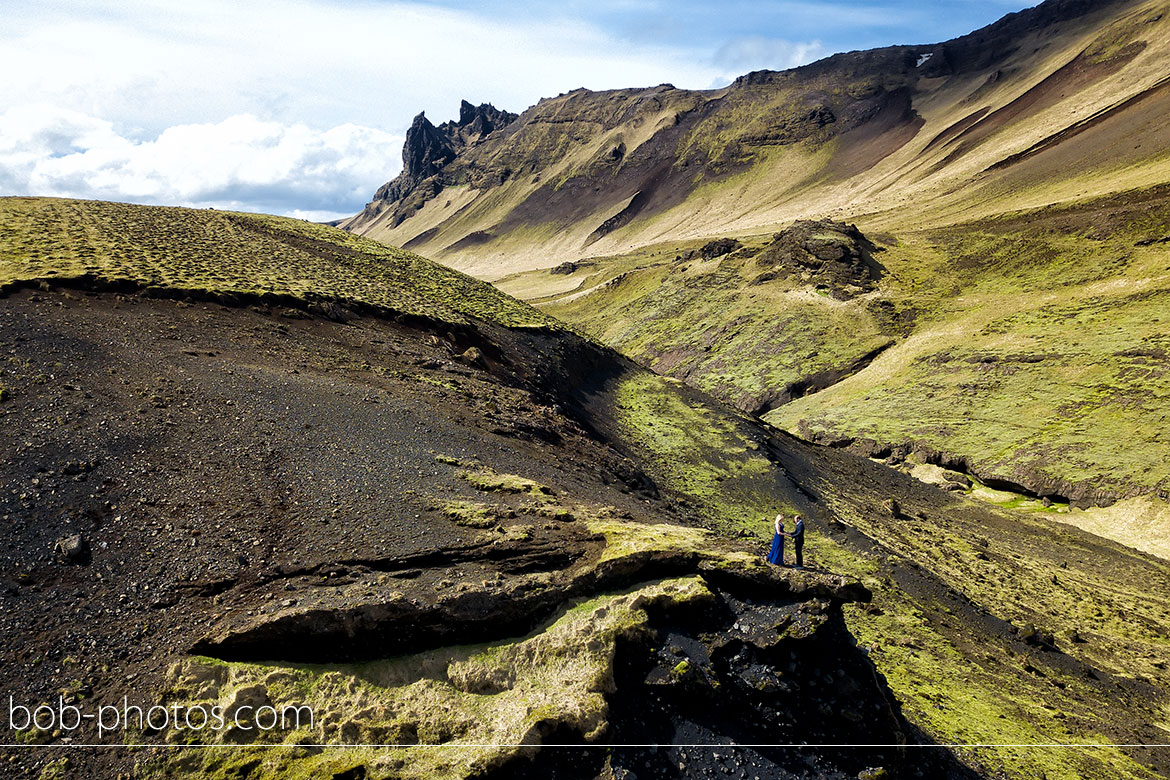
pixel 776 556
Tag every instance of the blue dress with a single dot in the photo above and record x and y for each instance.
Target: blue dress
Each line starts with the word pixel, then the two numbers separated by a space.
pixel 776 556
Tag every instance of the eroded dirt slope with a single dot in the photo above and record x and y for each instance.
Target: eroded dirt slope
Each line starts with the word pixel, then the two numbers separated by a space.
pixel 257 484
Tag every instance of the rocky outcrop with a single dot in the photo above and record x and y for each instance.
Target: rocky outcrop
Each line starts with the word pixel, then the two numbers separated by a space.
pixel 834 257
pixel 424 154
pixel 428 150
pixel 474 124
pixel 71 549
pixel 417 610
pixel 668 661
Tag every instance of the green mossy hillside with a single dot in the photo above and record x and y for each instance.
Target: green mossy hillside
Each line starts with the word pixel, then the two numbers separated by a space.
pixel 1039 354
pixel 748 325
pixel 448 713
pixel 215 253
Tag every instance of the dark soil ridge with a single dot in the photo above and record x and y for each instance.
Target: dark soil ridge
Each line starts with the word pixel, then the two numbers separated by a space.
pixel 521 556
pixel 564 354
pixel 408 624
pixel 335 308
pixel 498 355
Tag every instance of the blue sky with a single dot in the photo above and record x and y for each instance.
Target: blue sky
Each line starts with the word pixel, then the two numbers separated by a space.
pixel 299 106
pixel 706 27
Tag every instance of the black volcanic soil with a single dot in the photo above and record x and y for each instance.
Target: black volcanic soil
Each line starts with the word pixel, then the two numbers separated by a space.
pixel 224 463
pixel 220 460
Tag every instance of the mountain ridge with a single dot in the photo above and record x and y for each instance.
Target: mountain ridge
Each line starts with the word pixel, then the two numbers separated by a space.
pixel 856 133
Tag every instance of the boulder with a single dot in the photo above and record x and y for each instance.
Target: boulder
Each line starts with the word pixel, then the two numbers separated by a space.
pixel 718 247
pixel 72 549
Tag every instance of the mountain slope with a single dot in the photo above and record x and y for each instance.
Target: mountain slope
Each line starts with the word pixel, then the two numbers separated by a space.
pixel 1008 187
pixel 909 135
pixel 299 486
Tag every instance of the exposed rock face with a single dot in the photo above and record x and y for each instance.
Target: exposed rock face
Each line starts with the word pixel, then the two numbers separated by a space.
pixel 718 247
pixel 71 549
pixel 475 122
pixel 428 149
pixel 833 256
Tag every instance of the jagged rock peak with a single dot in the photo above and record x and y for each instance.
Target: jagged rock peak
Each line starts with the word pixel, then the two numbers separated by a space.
pixel 426 149
pixel 475 122
pixel 429 149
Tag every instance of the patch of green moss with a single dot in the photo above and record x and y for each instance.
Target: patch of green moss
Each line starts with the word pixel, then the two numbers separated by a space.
pixel 474 514
pixel 57 769
pixel 446 713
pixel 958 699
pixel 184 251
pixel 32 736
pixel 491 481
pixel 696 449
pixel 623 538
pixel 1121 38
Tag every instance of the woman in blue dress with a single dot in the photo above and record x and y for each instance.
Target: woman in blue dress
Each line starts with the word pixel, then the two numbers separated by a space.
pixel 776 556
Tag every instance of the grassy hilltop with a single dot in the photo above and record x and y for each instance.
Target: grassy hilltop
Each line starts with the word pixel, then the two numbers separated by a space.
pixel 253 256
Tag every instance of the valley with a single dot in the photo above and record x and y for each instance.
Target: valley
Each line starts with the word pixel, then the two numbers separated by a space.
pixel 483 476
pixel 536 479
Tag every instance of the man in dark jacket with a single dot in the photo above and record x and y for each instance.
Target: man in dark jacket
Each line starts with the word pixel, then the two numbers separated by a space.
pixel 797 537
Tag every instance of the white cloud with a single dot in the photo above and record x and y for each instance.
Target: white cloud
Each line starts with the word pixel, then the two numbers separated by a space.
pixel 240 162
pixel 152 63
pixel 199 101
pixel 757 52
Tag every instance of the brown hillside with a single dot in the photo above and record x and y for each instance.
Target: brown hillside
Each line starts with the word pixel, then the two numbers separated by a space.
pixel 1059 101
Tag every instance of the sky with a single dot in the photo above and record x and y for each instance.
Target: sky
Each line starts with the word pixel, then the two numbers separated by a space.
pixel 299 107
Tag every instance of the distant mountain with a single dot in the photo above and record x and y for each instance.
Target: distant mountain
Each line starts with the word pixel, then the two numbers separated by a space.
pixel 1058 101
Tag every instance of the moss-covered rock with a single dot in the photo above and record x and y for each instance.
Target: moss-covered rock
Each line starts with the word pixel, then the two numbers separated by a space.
pixel 446 713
